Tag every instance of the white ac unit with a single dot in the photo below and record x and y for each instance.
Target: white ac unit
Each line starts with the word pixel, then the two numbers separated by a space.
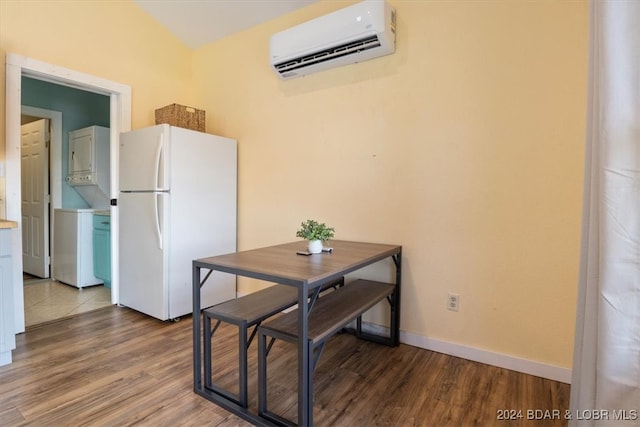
pixel 363 31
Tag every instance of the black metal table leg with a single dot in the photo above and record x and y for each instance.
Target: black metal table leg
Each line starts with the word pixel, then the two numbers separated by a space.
pixel 395 298
pixel 197 367
pixel 305 406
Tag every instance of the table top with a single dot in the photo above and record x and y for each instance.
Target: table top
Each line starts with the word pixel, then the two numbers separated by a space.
pixel 7 224
pixel 281 264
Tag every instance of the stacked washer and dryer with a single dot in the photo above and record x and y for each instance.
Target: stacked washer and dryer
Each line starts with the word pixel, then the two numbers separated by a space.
pixel 89 164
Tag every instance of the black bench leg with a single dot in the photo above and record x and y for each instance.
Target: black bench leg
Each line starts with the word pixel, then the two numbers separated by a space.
pixel 242 360
pixel 207 350
pixel 262 374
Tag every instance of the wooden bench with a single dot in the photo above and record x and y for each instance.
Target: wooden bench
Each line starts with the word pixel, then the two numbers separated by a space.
pixel 329 315
pixel 246 312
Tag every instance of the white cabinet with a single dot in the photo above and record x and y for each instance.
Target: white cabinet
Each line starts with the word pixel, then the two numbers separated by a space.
pixel 73 247
pixel 7 330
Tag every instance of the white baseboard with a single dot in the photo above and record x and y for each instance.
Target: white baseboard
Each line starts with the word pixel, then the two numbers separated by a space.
pixel 505 361
pixel 525 366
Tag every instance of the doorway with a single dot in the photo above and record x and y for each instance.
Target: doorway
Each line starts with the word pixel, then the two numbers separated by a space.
pixel 29 114
pixel 34 157
pixel 120 119
pixel 46 299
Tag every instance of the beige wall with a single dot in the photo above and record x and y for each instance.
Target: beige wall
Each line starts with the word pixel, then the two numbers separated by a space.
pixel 114 40
pixel 465 146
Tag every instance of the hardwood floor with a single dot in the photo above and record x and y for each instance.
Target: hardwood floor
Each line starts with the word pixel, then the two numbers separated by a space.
pixel 114 367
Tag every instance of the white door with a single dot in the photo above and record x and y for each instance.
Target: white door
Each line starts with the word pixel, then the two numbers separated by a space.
pixel 34 153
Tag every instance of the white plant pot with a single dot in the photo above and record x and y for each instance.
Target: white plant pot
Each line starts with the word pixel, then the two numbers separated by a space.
pixel 315 246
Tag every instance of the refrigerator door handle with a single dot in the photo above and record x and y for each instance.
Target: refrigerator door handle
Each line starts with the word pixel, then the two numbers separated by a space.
pixel 158 156
pixel 158 230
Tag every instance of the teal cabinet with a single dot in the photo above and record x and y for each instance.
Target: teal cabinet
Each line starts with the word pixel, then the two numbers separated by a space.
pixel 102 248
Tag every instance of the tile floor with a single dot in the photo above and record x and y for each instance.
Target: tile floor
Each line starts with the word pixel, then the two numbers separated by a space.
pixel 46 300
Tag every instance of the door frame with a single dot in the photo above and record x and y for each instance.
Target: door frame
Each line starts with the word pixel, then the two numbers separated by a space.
pixel 120 121
pixel 55 166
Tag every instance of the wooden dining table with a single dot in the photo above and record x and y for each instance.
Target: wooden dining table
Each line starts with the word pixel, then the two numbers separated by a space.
pixel 282 265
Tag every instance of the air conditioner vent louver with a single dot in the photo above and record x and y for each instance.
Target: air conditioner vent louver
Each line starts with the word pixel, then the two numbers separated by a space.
pixel 328 54
pixel 356 33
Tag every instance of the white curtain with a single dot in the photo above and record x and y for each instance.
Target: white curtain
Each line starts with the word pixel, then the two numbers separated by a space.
pixel 605 388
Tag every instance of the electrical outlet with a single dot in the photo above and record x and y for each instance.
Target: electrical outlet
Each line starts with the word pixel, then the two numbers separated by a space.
pixel 453 302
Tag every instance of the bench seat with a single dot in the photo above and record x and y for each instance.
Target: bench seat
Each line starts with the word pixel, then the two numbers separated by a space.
pixel 332 312
pixel 246 312
pixel 329 315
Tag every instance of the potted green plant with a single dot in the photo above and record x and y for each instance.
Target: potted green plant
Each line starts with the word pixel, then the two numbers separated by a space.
pixel 316 233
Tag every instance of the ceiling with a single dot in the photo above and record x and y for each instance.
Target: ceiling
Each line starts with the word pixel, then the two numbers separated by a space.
pixel 198 22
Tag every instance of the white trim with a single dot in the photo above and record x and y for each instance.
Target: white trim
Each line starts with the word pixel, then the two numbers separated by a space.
pixel 525 366
pixel 120 121
pixel 500 360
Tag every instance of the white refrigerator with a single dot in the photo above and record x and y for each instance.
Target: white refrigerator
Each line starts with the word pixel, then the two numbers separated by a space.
pixel 177 203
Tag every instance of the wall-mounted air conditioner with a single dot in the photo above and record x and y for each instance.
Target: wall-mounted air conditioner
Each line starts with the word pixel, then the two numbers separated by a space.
pixel 363 31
